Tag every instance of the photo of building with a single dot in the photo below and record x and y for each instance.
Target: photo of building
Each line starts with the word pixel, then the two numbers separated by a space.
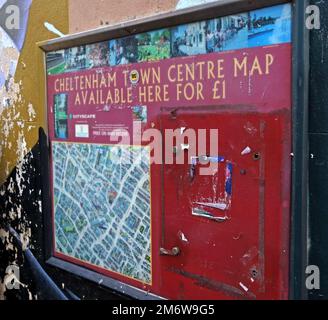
pixel 97 55
pixel 140 113
pixel 55 62
pixel 227 33
pixel 75 59
pixel 123 51
pixel 154 45
pixel 188 40
pixel 60 116
pixel 269 26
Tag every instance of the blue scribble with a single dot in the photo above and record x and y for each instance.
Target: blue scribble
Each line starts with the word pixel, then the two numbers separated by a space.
pixel 228 185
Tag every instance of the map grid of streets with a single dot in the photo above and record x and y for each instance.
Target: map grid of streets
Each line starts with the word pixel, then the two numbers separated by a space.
pixel 102 206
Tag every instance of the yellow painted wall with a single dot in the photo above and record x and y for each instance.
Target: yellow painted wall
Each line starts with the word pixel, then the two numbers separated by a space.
pixel 20 121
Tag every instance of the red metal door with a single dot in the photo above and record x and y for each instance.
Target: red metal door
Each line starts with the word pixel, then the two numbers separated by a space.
pixel 223 234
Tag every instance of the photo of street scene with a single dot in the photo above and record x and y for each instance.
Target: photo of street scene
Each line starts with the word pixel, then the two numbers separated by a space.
pixel 123 51
pixel 227 33
pixel 189 39
pixel 270 26
pixel 60 116
pixel 261 27
pixel 154 45
pixel 75 59
pixel 55 62
pixel 139 113
pixel 97 55
pixel 102 206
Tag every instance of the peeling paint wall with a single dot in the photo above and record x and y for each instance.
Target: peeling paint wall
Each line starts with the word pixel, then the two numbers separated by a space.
pixel 22 110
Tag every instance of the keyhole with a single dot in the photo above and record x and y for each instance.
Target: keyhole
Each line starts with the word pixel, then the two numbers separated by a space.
pixel 256 156
pixel 254 273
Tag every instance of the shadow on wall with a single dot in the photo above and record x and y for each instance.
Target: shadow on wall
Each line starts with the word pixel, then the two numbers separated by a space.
pixel 19 207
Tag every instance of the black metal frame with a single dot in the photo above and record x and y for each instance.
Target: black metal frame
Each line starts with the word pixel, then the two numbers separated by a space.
pixel 49 288
pixel 300 164
pixel 299 224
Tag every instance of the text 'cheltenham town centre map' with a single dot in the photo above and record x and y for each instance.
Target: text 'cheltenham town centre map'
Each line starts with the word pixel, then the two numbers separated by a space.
pixel 102 206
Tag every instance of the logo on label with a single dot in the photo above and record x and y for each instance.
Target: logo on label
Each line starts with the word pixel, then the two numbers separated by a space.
pixel 82 131
pixel 134 76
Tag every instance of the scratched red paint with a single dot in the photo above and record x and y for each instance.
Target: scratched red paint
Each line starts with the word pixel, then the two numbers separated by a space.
pixel 245 256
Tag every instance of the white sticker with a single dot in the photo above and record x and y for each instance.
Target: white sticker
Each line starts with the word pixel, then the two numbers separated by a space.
pixel 82 131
